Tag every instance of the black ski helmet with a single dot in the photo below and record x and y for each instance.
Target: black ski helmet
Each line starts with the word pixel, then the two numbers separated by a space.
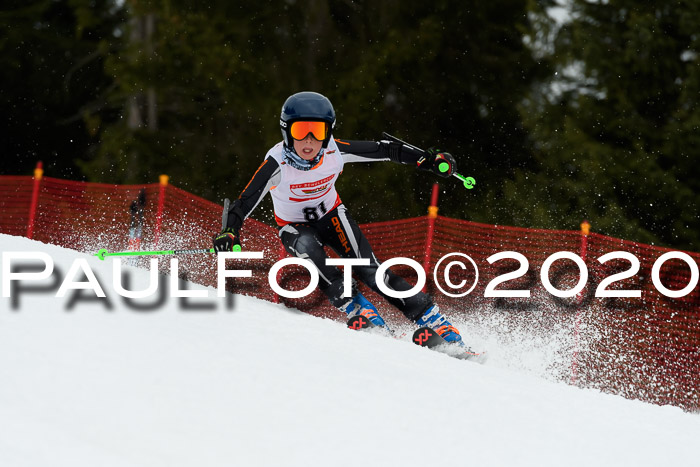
pixel 306 106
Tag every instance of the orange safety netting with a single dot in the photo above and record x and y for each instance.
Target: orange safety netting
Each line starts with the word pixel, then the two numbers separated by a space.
pixel 645 348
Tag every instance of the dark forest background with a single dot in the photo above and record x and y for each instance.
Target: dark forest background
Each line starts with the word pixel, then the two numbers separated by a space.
pixel 561 114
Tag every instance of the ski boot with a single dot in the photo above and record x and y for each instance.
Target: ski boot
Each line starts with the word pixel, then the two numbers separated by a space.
pixel 360 306
pixel 438 323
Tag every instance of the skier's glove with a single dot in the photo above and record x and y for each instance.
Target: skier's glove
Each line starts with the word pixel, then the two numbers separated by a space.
pixel 441 163
pixel 227 240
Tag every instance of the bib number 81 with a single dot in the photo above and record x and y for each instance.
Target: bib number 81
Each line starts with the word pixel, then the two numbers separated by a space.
pixel 311 214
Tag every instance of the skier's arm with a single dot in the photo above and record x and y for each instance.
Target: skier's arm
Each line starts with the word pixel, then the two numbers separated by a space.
pixel 267 176
pixel 373 151
pixel 370 151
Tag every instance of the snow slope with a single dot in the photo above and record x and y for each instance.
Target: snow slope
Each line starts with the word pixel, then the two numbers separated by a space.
pixel 263 385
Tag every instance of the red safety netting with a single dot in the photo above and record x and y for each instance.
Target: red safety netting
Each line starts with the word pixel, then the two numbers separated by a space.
pixel 646 348
pixel 15 201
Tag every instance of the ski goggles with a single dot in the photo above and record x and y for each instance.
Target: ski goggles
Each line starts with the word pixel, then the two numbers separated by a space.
pixel 301 130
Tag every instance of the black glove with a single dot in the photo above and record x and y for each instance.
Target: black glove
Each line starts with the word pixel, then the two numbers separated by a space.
pixel 441 163
pixel 226 240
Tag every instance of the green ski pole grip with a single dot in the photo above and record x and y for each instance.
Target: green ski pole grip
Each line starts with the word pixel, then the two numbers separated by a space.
pixel 469 182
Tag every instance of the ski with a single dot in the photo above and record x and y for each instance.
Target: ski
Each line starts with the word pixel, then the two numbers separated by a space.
pixel 426 337
pixel 359 322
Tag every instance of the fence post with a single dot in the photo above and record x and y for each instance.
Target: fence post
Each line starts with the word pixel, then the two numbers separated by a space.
pixel 164 180
pixel 432 215
pixel 585 230
pixel 38 175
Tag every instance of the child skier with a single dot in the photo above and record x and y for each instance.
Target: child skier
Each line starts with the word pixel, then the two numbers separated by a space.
pixel 300 173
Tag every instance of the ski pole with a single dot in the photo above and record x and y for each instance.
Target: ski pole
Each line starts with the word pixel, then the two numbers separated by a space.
pixel 469 182
pixel 224 221
pixel 103 253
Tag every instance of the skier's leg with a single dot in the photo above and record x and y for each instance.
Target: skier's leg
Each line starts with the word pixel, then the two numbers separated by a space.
pixel 343 234
pixel 303 241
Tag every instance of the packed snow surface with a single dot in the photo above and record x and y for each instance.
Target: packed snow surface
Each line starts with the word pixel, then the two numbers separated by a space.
pixel 86 383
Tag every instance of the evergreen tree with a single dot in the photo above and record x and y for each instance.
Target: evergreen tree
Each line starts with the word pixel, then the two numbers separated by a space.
pixel 447 74
pixel 614 130
pixel 51 55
